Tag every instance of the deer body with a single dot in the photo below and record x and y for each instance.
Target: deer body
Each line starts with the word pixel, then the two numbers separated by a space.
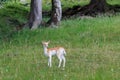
pixel 58 51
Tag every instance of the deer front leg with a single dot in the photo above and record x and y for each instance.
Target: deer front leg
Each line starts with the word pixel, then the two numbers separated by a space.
pixel 50 61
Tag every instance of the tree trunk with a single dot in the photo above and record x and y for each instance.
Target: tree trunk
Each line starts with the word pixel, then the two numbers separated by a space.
pixel 35 17
pixel 56 14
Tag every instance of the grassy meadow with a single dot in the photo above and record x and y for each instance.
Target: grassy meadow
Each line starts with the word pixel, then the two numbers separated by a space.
pixel 92 46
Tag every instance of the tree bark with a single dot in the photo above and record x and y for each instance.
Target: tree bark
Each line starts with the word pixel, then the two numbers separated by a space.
pixel 35 17
pixel 56 14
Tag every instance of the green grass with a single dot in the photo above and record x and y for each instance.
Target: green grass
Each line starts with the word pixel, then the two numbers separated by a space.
pixel 92 46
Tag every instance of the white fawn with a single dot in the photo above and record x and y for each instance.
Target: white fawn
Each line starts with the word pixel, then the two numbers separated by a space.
pixel 58 51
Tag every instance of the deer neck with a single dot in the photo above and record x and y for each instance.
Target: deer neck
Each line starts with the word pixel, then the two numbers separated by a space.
pixel 45 50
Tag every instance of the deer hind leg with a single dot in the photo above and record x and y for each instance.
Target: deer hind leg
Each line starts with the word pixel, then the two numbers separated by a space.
pixel 64 60
pixel 60 61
